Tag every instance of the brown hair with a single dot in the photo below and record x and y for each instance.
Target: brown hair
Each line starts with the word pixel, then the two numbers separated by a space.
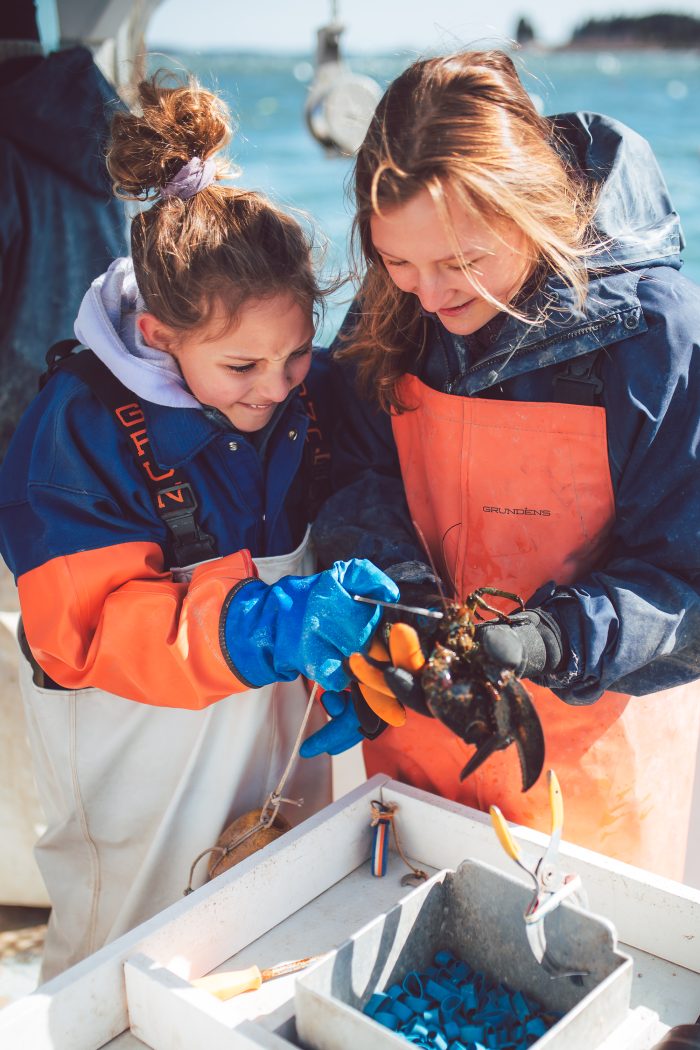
pixel 223 246
pixel 462 123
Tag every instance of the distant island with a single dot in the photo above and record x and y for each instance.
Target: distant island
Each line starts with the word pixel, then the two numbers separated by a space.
pixel 624 31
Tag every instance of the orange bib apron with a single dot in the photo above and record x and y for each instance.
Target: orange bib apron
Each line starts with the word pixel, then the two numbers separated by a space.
pixel 512 495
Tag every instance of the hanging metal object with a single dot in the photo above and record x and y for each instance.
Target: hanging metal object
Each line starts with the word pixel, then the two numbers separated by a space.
pixel 340 103
pixel 551 884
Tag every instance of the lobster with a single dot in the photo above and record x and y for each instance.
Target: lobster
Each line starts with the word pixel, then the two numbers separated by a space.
pixel 482 703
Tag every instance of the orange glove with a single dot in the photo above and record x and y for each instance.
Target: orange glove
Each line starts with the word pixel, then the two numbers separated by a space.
pixel 389 679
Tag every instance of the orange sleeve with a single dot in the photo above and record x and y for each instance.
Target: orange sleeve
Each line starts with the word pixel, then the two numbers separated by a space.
pixel 115 619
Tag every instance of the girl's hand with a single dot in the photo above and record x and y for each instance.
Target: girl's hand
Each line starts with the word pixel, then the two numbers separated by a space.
pixel 303 624
pixel 351 721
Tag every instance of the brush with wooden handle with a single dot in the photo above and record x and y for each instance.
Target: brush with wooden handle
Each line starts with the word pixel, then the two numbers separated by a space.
pixel 233 982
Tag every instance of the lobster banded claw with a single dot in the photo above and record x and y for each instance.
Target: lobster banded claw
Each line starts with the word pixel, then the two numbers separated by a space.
pixel 407 688
pixel 370 723
pixel 388 675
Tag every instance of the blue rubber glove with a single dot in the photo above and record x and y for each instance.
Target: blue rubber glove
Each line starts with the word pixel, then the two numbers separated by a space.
pixel 303 624
pixel 342 732
pixel 352 720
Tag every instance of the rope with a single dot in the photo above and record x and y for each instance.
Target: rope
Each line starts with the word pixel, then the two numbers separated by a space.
pixel 275 799
pixel 271 807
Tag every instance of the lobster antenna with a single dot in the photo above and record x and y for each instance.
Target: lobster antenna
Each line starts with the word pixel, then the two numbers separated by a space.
pixel 436 574
pixel 456 525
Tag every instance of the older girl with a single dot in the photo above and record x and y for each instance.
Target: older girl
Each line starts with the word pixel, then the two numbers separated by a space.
pixel 526 351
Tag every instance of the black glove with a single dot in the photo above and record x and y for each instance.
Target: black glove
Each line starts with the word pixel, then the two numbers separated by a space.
pixel 530 645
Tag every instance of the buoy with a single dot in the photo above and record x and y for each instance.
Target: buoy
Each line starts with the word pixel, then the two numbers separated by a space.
pixel 340 103
pixel 250 841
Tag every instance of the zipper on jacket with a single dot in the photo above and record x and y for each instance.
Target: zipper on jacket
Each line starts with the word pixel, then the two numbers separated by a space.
pixel 574 334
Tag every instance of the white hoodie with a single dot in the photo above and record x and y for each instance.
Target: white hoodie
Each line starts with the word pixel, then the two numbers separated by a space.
pixel 106 323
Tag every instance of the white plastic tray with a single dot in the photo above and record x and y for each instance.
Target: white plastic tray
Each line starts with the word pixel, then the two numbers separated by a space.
pixel 305 894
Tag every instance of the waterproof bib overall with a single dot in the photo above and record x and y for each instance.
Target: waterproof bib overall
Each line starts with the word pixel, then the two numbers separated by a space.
pixel 513 495
pixel 132 793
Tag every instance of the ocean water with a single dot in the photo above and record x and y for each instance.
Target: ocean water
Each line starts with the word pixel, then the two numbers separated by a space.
pixel 655 92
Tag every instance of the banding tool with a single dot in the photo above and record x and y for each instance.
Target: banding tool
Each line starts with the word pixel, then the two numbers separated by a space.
pixel 434 613
pixel 551 885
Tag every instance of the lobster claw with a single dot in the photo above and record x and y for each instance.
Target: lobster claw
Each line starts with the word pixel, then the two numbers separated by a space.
pixel 513 720
pixel 527 734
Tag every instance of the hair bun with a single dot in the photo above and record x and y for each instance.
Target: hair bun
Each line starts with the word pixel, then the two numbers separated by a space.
pixel 176 121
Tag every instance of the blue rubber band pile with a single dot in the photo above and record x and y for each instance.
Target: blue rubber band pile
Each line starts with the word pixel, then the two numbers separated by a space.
pixel 452 1007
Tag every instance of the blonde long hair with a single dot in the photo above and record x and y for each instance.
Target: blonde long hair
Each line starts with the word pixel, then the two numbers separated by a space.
pixel 464 124
pixel 221 247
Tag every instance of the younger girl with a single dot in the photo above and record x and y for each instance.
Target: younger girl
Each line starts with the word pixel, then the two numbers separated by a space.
pixel 528 355
pixel 154 511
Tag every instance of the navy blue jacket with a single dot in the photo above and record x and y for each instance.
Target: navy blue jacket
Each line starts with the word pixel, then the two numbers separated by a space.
pixel 71 484
pixel 59 225
pixel 634 623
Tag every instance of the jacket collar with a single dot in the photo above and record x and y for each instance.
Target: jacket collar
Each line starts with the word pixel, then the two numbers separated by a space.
pixel 612 313
pixel 638 228
pixel 177 434
pixel 634 213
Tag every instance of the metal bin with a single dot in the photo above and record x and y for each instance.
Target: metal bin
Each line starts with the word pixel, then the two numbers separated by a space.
pixel 477 913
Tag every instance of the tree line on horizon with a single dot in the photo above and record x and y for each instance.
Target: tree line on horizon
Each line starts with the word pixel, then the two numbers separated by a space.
pixel 668 30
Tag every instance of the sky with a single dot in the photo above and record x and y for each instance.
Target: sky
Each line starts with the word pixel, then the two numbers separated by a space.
pixel 377 25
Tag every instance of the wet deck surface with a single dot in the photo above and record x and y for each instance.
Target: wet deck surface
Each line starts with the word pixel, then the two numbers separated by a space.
pixel 22 929
pixel 22 932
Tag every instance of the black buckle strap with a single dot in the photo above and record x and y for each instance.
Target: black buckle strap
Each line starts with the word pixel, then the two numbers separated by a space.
pixel 55 356
pixel 175 504
pixel 578 383
pixel 190 543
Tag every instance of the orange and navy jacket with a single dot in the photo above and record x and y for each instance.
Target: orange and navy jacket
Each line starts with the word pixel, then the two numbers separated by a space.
pixel 81 534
